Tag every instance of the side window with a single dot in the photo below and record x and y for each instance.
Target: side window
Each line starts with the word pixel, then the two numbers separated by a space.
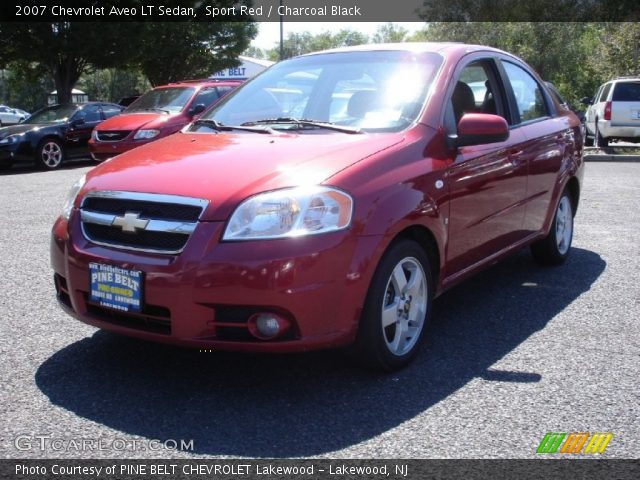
pixel 476 91
pixel 605 93
pixel 110 111
pixel 527 92
pixel 222 91
pixel 597 95
pixel 206 97
pixel 90 114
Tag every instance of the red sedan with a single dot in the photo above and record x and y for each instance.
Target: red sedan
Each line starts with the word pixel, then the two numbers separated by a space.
pixel 156 114
pixel 325 203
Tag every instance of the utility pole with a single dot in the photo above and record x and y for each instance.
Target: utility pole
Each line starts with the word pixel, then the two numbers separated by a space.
pixel 281 33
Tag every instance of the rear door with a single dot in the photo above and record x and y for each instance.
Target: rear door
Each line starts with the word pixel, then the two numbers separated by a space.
pixel 625 104
pixel 549 138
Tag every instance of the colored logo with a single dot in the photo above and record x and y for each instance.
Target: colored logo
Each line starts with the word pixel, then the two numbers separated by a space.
pixel 575 442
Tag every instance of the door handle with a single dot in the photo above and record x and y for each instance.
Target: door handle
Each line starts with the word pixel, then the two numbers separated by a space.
pixel 515 157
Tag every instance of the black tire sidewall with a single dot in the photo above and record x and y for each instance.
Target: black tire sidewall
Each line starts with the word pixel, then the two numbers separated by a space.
pixel 371 346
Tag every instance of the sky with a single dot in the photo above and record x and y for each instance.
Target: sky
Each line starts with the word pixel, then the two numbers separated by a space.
pixel 269 32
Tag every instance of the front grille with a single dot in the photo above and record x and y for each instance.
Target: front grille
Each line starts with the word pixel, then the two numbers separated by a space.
pixel 140 240
pixel 146 209
pixel 153 319
pixel 138 221
pixel 112 135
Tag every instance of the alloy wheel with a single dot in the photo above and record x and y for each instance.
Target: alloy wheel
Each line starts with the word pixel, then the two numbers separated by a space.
pixel 404 306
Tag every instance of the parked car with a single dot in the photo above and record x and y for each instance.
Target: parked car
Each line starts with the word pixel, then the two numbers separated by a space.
pixel 614 112
pixel 11 116
pixel 53 134
pixel 251 230
pixel 156 114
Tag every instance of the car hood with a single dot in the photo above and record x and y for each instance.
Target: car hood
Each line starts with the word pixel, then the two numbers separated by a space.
pixel 135 121
pixel 18 129
pixel 226 168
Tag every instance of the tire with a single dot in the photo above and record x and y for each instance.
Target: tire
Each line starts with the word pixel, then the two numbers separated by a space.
pixel 397 308
pixel 598 140
pixel 50 154
pixel 5 166
pixel 555 247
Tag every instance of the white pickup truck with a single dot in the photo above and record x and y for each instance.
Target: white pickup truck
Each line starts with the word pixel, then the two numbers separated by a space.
pixel 614 112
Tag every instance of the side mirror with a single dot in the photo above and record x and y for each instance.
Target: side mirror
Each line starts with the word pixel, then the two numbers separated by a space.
pixel 197 109
pixel 586 101
pixel 480 129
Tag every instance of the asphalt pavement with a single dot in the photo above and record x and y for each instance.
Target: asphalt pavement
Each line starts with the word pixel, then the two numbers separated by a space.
pixel 514 353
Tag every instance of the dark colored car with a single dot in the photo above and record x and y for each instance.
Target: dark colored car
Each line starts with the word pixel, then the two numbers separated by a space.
pixel 53 134
pixel 157 114
pixel 251 230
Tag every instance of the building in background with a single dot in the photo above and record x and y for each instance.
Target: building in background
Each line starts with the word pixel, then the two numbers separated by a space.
pixel 249 67
pixel 77 96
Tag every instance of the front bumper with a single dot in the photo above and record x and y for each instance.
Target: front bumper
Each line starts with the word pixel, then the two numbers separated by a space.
pixel 202 297
pixel 14 152
pixel 101 151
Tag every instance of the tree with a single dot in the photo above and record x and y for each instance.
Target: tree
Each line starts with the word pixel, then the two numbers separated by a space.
pixel 390 33
pixel 66 49
pixel 25 85
pixel 300 43
pixel 165 51
pixel 559 52
pixel 168 52
pixel 255 52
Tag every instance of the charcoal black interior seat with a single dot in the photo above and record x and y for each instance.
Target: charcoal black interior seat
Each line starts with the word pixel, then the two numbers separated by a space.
pixel 463 100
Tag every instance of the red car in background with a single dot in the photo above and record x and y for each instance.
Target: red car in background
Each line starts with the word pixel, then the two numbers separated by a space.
pixel 156 114
pixel 325 203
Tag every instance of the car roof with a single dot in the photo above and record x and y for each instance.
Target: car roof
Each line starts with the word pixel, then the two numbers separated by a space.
pixel 415 47
pixel 208 82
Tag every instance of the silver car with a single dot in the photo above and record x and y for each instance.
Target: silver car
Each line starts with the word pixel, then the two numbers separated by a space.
pixel 614 112
pixel 11 116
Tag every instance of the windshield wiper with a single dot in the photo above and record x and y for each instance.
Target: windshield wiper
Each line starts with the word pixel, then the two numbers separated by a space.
pixel 221 127
pixel 305 122
pixel 151 109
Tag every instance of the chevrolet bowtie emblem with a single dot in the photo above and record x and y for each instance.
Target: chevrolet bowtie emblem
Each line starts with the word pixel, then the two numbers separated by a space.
pixel 130 222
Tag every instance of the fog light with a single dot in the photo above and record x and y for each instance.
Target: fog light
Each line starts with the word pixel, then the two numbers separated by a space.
pixel 267 326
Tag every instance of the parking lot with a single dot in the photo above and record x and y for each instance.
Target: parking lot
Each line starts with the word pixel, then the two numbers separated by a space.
pixel 514 353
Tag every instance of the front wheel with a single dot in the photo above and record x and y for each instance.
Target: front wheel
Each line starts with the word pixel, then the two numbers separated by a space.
pixel 554 248
pixel 397 308
pixel 50 154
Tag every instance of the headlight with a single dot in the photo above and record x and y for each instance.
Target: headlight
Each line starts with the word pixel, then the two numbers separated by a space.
pixel 71 197
pixel 146 134
pixel 290 212
pixel 9 139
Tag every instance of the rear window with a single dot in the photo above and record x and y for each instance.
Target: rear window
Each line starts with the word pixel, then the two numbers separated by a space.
pixel 627 92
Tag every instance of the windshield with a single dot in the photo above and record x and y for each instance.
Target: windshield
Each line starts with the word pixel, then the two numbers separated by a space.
pixel 55 114
pixel 168 100
pixel 372 91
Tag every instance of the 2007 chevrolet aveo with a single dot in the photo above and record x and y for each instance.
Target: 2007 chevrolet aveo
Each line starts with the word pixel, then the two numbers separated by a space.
pixel 325 203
